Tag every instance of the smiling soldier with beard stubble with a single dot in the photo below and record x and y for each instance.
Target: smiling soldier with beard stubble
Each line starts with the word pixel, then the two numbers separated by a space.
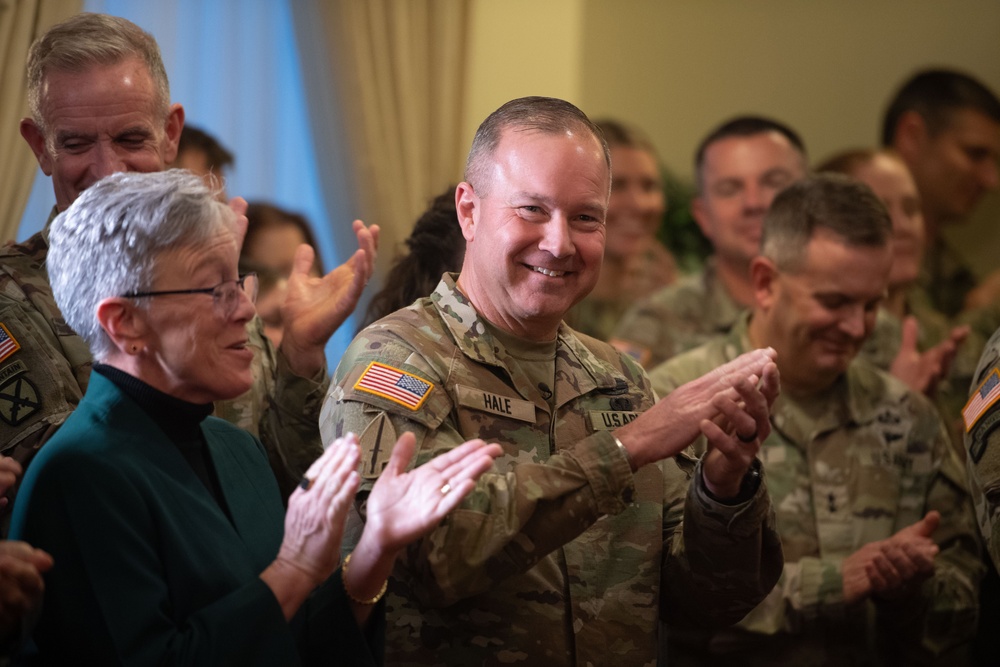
pixel 571 550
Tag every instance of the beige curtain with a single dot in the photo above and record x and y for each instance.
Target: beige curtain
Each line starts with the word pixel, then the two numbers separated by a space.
pixel 385 81
pixel 21 21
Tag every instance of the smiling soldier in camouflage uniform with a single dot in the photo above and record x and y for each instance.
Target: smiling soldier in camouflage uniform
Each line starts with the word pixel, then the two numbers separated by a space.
pixel 881 554
pixel 100 104
pixel 572 549
pixel 740 166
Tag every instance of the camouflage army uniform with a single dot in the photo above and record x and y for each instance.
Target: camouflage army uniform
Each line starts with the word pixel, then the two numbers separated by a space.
pixel 982 438
pixel 945 278
pixel 642 276
pixel 45 365
pixel 884 342
pixel 677 318
pixel 597 318
pixel 559 554
pixel 875 461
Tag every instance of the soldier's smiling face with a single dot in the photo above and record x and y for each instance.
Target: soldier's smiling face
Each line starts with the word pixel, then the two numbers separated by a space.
pixel 637 201
pixel 99 121
pixel 535 229
pixel 740 178
pixel 955 167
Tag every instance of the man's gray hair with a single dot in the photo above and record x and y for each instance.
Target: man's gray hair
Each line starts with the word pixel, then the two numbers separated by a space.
pixel 110 240
pixel 547 115
pixel 836 203
pixel 85 40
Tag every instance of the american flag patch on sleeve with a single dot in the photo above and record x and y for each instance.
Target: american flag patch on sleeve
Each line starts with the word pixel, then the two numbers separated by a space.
pixel 398 386
pixel 8 345
pixel 982 398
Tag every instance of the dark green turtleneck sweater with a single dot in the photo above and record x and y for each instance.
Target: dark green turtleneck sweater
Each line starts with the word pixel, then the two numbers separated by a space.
pixel 179 419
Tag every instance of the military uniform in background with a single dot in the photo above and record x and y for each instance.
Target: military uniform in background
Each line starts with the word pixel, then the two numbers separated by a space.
pixel 45 366
pixel 641 276
pixel 884 342
pixel 981 416
pixel 945 278
pixel 561 555
pixel 854 465
pixel 677 318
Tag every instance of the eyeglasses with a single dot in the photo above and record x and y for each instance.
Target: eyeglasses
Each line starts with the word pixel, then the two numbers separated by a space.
pixel 226 294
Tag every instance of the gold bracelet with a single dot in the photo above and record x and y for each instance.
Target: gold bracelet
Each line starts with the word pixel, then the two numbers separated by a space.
pixel 343 580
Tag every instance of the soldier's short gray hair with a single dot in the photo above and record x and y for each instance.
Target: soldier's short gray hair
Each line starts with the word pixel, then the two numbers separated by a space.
pixel 109 241
pixel 839 204
pixel 85 40
pixel 547 115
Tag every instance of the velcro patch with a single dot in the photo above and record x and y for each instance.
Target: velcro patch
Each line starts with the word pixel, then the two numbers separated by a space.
pixel 397 385
pixel 985 395
pixel 609 420
pixel 8 344
pixel 12 369
pixel 980 436
pixel 506 406
pixel 19 399
pixel 376 441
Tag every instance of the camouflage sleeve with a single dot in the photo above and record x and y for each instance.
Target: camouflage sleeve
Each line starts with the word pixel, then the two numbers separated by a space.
pixel 982 442
pixel 282 409
pixel 946 613
pixel 728 557
pixel 809 591
pixel 44 367
pixel 721 560
pixel 939 616
pixel 512 519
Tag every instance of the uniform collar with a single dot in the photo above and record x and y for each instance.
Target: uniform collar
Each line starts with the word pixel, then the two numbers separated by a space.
pixel 48 225
pixel 471 336
pixel 720 308
pixel 852 391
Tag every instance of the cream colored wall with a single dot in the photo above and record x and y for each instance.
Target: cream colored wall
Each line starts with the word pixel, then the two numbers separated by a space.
pixel 679 67
pixel 519 48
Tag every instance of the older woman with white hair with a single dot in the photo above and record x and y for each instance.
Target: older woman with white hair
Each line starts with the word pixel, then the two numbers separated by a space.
pixel 165 524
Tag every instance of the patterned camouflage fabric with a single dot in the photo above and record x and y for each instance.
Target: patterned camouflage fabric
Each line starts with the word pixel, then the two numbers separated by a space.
pixel 642 276
pixel 883 345
pixel 677 318
pixel 561 555
pixel 982 439
pixel 945 278
pixel 873 461
pixel 45 365
pixel 597 318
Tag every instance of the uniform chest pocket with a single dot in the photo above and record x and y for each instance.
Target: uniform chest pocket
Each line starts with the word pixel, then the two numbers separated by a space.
pixel 514 423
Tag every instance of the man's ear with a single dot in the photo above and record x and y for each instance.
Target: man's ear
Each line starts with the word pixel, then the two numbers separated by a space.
pixel 172 132
pixel 36 141
pixel 911 135
pixel 763 276
pixel 124 323
pixel 467 205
